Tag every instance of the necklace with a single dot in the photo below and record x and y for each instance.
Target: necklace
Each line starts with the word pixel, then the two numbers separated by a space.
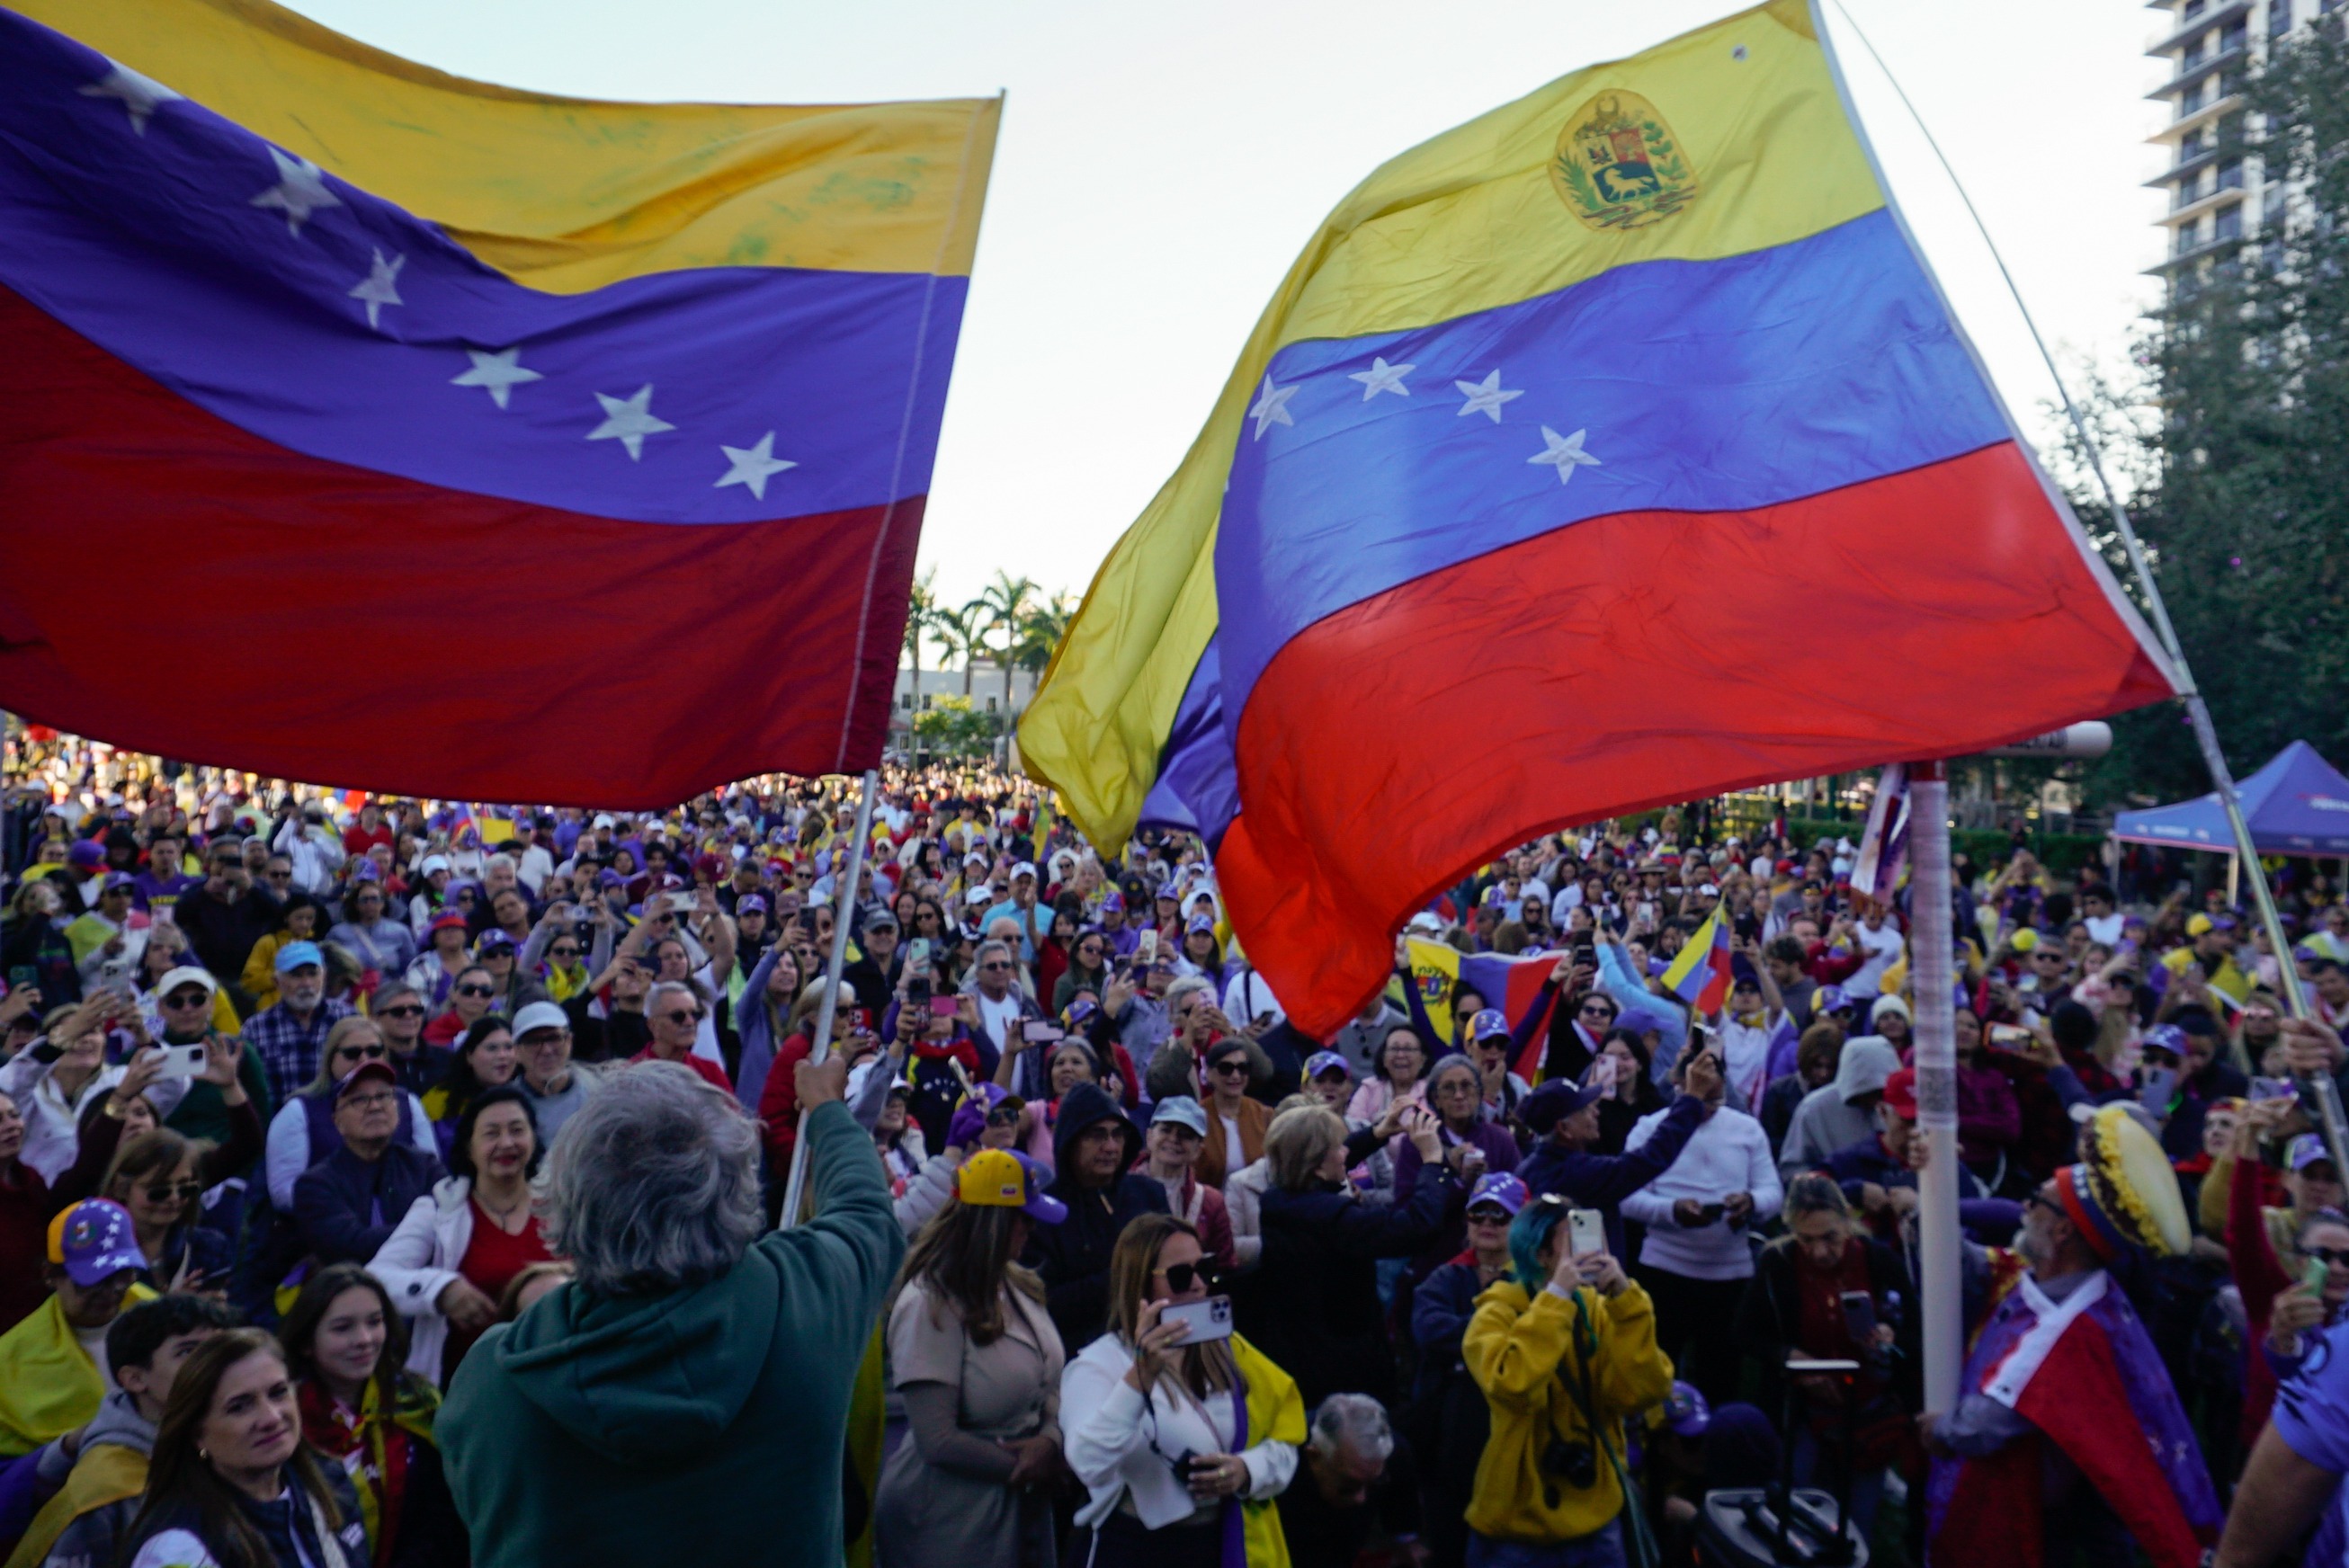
pixel 505 1214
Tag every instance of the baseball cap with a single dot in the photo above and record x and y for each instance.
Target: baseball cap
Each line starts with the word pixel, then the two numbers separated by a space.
pixel 376 1071
pixel 1831 999
pixel 1321 1062
pixel 1888 1004
pixel 610 878
pixel 1022 869
pixel 2305 1151
pixel 978 896
pixel 880 919
pixel 1113 899
pixel 1501 1189
pixel 1424 924
pixel 295 954
pixel 1900 1093
pixel 93 1240
pixel 1200 922
pixel 117 880
pixel 85 852
pixel 1685 1410
pixel 1552 1103
pixel 540 1016
pixel 1184 1112
pixel 999 1179
pixel 447 918
pixel 187 975
pixel 491 939
pixel 1488 1023
pixel 2197 925
pixel 604 819
pixel 2167 1038
pixel 434 863
pixel 752 902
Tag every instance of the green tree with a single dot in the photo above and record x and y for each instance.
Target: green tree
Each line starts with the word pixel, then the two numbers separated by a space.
pixel 1002 607
pixel 957 633
pixel 921 603
pixel 1040 631
pixel 2242 468
pixel 950 727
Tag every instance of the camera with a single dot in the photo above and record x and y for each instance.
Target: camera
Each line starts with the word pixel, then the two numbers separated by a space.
pixel 1574 1464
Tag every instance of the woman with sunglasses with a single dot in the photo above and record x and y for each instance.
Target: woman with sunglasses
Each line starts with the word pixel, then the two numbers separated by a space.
pixel 1181 1447
pixel 303 1131
pixel 486 1058
pixel 458 1248
pixel 472 997
pixel 1088 969
pixel 159 1177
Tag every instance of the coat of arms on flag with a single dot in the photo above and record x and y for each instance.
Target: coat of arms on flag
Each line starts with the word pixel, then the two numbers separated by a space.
pixel 1619 166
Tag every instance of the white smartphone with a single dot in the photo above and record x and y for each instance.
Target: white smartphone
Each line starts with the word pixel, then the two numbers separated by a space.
pixel 1586 1233
pixel 1145 948
pixel 1209 1320
pixel 181 1061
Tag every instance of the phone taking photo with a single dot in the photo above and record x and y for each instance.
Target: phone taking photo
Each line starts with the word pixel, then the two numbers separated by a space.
pixel 1586 1233
pixel 1208 1319
pixel 1145 948
pixel 181 1061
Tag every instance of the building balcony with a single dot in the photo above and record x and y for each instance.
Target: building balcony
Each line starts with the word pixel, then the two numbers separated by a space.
pixel 2195 74
pixel 2211 203
pixel 2196 27
pixel 2186 125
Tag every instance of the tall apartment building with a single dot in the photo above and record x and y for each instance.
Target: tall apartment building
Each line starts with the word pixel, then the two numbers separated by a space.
pixel 2211 45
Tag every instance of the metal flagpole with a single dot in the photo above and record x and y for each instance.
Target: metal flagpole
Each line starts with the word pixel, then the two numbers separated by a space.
pixel 1931 945
pixel 2317 1088
pixel 844 905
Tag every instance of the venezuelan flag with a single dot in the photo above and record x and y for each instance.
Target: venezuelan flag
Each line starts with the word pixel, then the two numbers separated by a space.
pixel 1564 434
pixel 1700 975
pixel 541 422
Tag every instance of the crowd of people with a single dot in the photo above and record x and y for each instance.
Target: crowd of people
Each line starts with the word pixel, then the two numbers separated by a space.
pixel 399 1181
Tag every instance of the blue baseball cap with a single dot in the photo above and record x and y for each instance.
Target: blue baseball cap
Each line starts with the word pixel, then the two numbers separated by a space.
pixel 1321 1062
pixel 2167 1038
pixel 1553 1102
pixel 1500 1188
pixel 2305 1151
pixel 94 1241
pixel 1685 1410
pixel 1831 999
pixel 1182 1110
pixel 1488 1023
pixel 295 954
pixel 1200 922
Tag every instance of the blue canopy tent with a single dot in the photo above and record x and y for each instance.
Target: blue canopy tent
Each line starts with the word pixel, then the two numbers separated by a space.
pixel 2296 805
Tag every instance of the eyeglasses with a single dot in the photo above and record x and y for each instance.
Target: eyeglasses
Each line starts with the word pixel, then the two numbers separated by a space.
pixel 360 1053
pixel 1235 1067
pixel 1181 1276
pixel 995 963
pixel 187 999
pixel 2334 1257
pixel 1003 1115
pixel 1595 1011
pixel 168 1192
pixel 370 1101
pixel 477 991
pixel 1488 1216
pixel 279 876
pixel 563 952
pixel 682 1014
pixel 408 1010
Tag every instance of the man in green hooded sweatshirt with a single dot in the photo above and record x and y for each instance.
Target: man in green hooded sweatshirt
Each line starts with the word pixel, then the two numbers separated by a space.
pixel 687 1395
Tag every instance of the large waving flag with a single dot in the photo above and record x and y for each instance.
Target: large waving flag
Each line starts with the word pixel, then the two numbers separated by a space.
pixel 1612 449
pixel 455 440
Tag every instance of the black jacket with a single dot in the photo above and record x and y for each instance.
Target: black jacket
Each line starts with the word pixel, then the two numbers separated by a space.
pixel 1769 1319
pixel 1072 1257
pixel 1312 1305
pixel 346 1209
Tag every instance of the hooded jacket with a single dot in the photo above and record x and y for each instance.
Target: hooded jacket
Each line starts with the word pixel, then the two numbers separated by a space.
pixel 709 1417
pixel 84 1523
pixel 1072 1257
pixel 1827 1121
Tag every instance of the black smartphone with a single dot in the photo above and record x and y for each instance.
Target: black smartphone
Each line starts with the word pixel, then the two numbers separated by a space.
pixel 1859 1317
pixel 917 993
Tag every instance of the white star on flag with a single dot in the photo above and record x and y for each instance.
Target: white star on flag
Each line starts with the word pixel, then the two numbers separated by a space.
pixel 1382 377
pixel 1272 407
pixel 1485 396
pixel 499 373
pixel 301 190
pixel 1563 453
pixel 142 95
pixel 380 286
pixel 753 466
pixel 628 421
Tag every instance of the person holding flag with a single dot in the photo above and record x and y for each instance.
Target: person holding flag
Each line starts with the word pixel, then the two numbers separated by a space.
pixel 2067 1436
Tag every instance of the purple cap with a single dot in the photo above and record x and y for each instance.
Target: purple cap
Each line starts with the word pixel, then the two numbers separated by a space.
pixel 85 852
pixel 492 939
pixel 1828 998
pixel 1081 1009
pixel 2167 1038
pixel 94 1241
pixel 1498 1187
pixel 610 878
pixel 1200 922
pixel 1113 899
pixel 117 880
pixel 1321 1062
pixel 750 903
pixel 2305 1151
pixel 1489 1023
pixel 1685 1411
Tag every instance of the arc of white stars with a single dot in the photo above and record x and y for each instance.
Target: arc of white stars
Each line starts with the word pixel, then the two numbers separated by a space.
pixel 1272 407
pixel 381 287
pixel 497 373
pixel 1563 453
pixel 142 95
pixel 1485 396
pixel 1382 377
pixel 753 466
pixel 628 421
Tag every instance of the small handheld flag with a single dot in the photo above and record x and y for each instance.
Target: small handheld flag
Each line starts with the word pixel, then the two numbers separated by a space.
pixel 1700 975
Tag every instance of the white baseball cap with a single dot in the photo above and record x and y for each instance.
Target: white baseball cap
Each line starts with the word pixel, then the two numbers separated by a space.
pixel 187 975
pixel 540 1016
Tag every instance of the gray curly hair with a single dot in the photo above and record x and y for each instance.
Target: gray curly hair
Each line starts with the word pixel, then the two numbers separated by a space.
pixel 653 1184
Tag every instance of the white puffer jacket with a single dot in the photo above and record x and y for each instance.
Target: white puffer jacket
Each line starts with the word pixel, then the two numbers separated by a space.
pixel 419 1260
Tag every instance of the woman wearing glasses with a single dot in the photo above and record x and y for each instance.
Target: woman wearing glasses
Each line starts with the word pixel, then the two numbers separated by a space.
pixel 472 997
pixel 487 1058
pixel 302 1132
pixel 159 1177
pixel 1183 1447
pixel 1088 968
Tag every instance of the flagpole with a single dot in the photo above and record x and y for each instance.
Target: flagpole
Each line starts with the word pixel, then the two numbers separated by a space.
pixel 844 905
pixel 1931 945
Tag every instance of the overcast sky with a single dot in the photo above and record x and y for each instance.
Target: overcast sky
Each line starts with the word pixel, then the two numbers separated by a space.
pixel 1161 165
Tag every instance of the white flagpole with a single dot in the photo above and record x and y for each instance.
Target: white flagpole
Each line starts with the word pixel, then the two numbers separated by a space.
pixel 1935 1027
pixel 844 905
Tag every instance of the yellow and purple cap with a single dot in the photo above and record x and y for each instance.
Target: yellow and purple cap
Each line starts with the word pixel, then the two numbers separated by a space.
pixel 1002 1178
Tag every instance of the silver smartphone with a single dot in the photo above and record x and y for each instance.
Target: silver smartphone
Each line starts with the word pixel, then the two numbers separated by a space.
pixel 1586 1233
pixel 1209 1320
pixel 181 1061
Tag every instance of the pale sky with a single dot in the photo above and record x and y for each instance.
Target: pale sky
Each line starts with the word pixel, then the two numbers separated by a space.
pixel 1161 165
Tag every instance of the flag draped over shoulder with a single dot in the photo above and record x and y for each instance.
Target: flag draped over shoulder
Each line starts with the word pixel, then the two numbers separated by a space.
pixel 415 410
pixel 1562 420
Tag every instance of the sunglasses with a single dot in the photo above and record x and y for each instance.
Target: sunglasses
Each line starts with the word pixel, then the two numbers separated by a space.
pixel 1180 1276
pixel 564 951
pixel 1236 1067
pixel 408 1010
pixel 187 999
pixel 683 1014
pixel 1002 1116
pixel 168 1191
pixel 361 1053
pixel 1488 1216
pixel 476 991
pixel 2334 1257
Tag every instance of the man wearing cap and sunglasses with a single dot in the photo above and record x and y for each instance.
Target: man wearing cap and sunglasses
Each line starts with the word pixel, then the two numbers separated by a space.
pixel 184 1007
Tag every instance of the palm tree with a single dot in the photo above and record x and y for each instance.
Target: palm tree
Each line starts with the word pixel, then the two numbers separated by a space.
pixel 1040 633
pixel 921 603
pixel 1002 607
pixel 956 632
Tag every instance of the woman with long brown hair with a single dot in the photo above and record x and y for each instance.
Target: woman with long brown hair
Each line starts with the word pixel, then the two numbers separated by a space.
pixel 1183 1447
pixel 977 1361
pixel 231 1484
